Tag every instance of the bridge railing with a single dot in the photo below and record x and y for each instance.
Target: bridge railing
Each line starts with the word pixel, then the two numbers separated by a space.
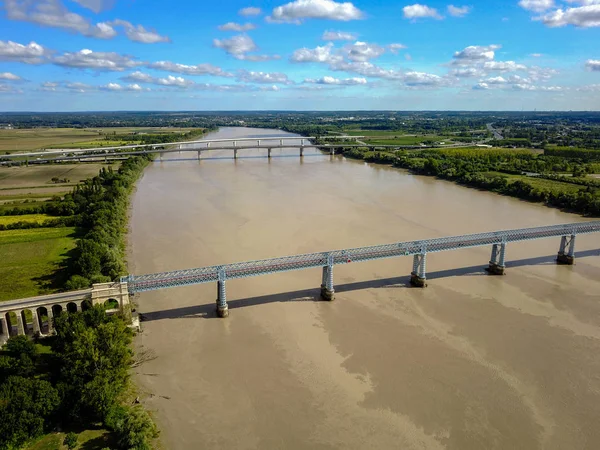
pixel 140 283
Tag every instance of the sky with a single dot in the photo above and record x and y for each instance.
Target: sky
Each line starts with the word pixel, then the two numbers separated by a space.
pixel 106 55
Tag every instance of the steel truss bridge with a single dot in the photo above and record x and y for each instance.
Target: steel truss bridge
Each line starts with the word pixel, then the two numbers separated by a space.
pixel 498 240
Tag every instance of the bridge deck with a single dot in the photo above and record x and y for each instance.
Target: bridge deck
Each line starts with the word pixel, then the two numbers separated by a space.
pixel 140 283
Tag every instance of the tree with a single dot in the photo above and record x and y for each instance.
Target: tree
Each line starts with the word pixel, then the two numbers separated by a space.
pixel 70 441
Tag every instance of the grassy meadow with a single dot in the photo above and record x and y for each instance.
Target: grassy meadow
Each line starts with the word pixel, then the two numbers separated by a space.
pixel 30 258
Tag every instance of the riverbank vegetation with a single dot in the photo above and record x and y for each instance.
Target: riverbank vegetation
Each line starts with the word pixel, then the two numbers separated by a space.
pixel 78 380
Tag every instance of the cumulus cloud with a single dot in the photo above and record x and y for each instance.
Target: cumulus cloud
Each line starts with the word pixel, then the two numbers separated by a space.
pixel 96 5
pixel 319 54
pixel 395 48
pixel 421 79
pixel 496 80
pixel 362 51
pixel 141 77
pixel 418 11
pixel 338 36
pixel 366 69
pixel 233 26
pixel 299 10
pixel 250 11
pixel 536 5
pixel 476 53
pixel 99 61
pixel 583 16
pixel 327 80
pixel 466 72
pixel 199 69
pixel 458 11
pixel 239 46
pixel 10 76
pixel 263 77
pixel 504 66
pixel 52 13
pixel 138 33
pixel 32 53
pixel 593 65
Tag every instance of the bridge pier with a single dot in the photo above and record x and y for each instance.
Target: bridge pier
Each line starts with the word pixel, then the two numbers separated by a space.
pixel 199 154
pixel 301 152
pixel 36 323
pixel 269 153
pixel 235 153
pixel 222 307
pixel 497 260
pixel 418 277
pixel 4 332
pixel 20 325
pixel 566 253
pixel 50 320
pixel 327 290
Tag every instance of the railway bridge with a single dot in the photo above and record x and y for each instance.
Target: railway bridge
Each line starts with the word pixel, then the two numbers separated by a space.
pixel 15 320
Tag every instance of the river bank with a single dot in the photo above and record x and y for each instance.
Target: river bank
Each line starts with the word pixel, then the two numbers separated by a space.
pixel 472 361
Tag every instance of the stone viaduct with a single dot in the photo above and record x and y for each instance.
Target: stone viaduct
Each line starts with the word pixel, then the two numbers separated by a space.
pixel 33 316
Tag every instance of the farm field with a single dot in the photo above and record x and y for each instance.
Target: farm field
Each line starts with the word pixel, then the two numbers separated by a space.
pixel 31 260
pixel 410 140
pixel 40 175
pixel 21 140
pixel 36 218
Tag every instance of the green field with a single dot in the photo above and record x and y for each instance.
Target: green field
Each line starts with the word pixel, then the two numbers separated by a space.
pixel 87 440
pixel 41 175
pixel 37 218
pixel 373 133
pixel 31 260
pixel 409 140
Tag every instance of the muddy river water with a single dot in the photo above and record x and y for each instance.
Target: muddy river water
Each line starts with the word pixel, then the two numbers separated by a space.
pixel 470 362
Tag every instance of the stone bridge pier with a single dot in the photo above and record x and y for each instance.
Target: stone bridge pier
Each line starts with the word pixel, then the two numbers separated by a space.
pixel 34 316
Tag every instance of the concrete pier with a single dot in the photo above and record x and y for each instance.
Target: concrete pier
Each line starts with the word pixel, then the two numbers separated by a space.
pixel 566 253
pixel 327 290
pixel 222 307
pixel 418 277
pixel 417 281
pixel 497 263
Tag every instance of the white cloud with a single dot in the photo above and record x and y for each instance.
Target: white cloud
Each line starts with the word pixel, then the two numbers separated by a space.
pixel 362 51
pixel 173 81
pixel 496 80
pixel 336 81
pixel 504 66
pixel 10 76
pixel 78 87
pixel 366 69
pixel 584 17
pixel 250 11
pixel 421 79
pixel 418 11
pixel 536 5
pixel 96 5
pixel 299 10
pixel 395 48
pixel 466 72
pixel 476 53
pixel 138 33
pixel 593 65
pixel 481 86
pixel 273 88
pixel 199 69
pixel 338 36
pixel 239 46
pixel 458 11
pixel 263 77
pixel 52 13
pixel 318 54
pixel 541 73
pixel 536 55
pixel 112 87
pixel 32 53
pixel 8 89
pixel 139 77
pixel 233 26
pixel 49 86
pixel 99 61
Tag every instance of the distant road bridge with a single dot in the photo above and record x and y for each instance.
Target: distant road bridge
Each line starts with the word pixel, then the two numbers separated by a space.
pixel 119 292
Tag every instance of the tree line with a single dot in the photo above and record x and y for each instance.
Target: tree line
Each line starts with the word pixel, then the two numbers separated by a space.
pixel 82 381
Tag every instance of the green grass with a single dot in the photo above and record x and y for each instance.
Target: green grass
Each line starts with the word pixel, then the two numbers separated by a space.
pixel 373 133
pixel 93 144
pixel 87 440
pixel 38 218
pixel 31 260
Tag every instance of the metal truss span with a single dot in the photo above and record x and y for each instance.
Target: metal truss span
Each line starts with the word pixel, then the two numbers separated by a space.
pixel 149 282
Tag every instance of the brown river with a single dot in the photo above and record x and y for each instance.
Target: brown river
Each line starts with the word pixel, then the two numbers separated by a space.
pixel 470 362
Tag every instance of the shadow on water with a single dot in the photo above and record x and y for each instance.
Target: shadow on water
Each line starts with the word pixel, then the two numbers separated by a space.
pixel 207 311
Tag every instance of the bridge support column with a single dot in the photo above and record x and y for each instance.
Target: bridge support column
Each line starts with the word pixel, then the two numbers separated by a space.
pixel 235 153
pixel 4 333
pixel 20 325
pixel 327 290
pixel 566 253
pixel 301 152
pixel 222 308
pixel 497 260
pixel 50 320
pixel 418 277
pixel 199 154
pixel 36 323
pixel 269 153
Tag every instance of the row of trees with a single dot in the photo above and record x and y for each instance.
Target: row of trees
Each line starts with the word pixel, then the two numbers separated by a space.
pixel 81 382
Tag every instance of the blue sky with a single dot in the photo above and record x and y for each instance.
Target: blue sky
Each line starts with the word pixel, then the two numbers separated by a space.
pixel 78 55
